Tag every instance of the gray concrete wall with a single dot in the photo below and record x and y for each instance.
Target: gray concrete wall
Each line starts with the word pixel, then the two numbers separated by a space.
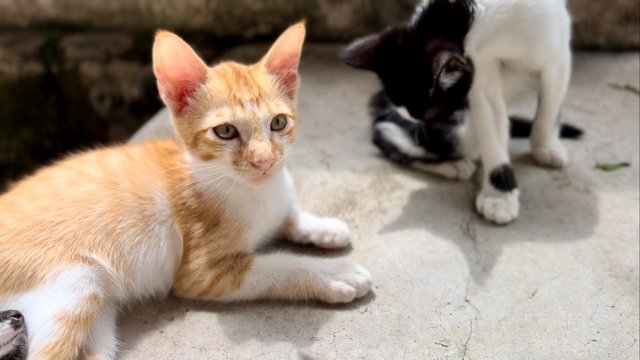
pixel 611 24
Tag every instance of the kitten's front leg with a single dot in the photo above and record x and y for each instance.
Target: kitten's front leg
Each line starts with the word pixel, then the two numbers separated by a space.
pixel 278 276
pixel 305 228
pixel 498 200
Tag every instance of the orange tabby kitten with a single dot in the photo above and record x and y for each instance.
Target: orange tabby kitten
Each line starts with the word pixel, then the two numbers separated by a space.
pixel 102 229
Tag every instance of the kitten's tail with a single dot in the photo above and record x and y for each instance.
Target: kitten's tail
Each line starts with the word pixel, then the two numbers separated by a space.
pixel 521 128
pixel 381 109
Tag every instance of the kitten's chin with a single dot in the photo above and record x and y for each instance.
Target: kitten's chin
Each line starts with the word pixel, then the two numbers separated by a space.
pixel 260 180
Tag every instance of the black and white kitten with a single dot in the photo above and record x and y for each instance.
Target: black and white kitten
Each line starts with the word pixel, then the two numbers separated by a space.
pixel 454 67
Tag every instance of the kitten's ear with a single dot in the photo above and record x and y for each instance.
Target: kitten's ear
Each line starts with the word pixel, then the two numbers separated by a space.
pixel 178 70
pixel 363 53
pixel 283 58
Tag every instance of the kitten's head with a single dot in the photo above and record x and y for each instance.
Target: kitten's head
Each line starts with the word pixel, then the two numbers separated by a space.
pixel 235 120
pixel 13 336
pixel 421 63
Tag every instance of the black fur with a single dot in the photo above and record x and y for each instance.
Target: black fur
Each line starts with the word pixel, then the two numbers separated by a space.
pixel 503 179
pixel 436 138
pixel 18 353
pixel 408 58
pixel 522 128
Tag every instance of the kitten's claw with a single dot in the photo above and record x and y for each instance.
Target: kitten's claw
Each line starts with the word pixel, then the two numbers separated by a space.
pixel 552 155
pixel 500 208
pixel 325 233
pixel 345 282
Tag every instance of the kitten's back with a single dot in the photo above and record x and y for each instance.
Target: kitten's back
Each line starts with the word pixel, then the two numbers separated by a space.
pixel 83 204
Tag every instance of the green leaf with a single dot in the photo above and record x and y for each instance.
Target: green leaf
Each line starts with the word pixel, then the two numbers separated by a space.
pixel 612 166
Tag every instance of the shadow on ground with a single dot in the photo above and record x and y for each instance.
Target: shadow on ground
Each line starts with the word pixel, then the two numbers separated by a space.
pixel 556 206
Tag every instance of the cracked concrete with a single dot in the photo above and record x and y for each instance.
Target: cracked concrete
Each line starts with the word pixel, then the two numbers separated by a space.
pixel 560 283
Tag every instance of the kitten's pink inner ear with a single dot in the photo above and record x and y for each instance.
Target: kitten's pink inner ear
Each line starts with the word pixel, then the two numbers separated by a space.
pixel 283 58
pixel 178 69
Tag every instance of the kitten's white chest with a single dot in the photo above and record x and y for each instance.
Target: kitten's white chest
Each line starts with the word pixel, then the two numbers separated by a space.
pixel 263 210
pixel 157 263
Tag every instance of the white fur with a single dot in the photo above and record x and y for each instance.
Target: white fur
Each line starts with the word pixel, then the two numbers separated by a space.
pixel 514 45
pixel 527 36
pixel 60 295
pixel 326 233
pixel 266 209
pixel 501 208
pixel 509 42
pixel 344 281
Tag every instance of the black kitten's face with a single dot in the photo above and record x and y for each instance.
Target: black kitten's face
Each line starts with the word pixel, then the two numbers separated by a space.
pixel 421 64
pixel 13 336
pixel 423 75
pixel 405 72
pixel 394 55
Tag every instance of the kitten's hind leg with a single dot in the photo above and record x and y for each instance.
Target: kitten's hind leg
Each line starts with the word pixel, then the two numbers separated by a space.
pixel 63 313
pixel 305 228
pixel 102 343
pixel 545 137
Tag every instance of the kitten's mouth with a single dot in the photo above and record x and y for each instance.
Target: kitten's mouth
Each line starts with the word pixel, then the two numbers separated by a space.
pixel 261 177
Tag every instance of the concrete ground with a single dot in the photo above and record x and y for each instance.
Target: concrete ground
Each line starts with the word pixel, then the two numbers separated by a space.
pixel 561 282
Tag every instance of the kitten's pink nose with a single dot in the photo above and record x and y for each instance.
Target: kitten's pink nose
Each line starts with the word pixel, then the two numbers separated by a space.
pixel 263 163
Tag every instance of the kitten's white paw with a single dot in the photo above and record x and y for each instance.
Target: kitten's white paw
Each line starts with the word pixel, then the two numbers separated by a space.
pixel 465 169
pixel 345 282
pixel 455 170
pixel 552 155
pixel 500 208
pixel 326 233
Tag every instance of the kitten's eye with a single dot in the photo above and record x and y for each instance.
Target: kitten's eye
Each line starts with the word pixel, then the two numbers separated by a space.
pixel 279 122
pixel 226 132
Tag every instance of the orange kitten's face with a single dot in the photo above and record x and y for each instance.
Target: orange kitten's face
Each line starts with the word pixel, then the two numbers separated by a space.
pixel 236 121
pixel 244 124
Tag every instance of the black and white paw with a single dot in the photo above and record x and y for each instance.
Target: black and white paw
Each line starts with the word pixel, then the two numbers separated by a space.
pixel 499 200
